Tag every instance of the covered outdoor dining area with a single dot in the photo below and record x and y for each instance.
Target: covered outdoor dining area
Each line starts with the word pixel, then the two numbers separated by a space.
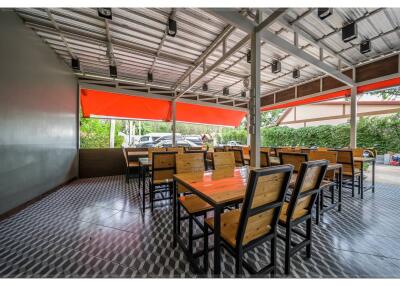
pixel 210 211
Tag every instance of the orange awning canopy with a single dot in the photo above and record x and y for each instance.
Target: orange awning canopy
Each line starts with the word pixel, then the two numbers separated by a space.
pixel 108 104
pixel 337 94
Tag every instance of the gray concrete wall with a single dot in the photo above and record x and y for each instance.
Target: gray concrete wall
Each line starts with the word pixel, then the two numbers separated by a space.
pixel 38 116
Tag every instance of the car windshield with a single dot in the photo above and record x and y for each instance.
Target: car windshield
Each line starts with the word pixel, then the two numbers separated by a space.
pixel 144 139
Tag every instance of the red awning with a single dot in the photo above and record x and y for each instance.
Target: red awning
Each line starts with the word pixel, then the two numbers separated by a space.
pixel 194 113
pixel 108 104
pixel 338 94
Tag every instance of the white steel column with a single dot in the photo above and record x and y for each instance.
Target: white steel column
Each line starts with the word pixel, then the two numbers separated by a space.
pixel 112 132
pixel 255 114
pixel 173 123
pixel 353 118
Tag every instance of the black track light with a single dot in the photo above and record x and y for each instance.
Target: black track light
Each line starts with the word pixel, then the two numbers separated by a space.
pixel 276 66
pixel 105 13
pixel 149 77
pixel 349 32
pixel 324 13
pixel 205 87
pixel 75 64
pixel 248 55
pixel 243 93
pixel 113 71
pixel 172 27
pixel 225 91
pixel 365 46
pixel 296 73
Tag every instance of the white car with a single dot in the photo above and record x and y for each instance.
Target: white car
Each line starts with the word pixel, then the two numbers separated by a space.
pixel 234 143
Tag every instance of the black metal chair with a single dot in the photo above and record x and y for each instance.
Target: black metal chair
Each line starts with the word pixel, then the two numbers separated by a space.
pixel 299 208
pixel 255 223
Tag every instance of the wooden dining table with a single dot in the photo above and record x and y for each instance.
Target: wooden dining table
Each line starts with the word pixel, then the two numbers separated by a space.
pixel 219 188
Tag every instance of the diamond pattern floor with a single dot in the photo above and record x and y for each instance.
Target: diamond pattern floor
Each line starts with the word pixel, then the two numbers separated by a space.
pixel 95 228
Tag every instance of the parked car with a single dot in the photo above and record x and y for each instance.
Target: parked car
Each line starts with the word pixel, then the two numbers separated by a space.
pixel 234 143
pixel 179 143
pixel 151 139
pixel 196 139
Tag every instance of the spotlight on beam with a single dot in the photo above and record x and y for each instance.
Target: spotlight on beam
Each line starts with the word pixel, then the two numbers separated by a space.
pixel 149 77
pixel 105 13
pixel 76 66
pixel 172 27
pixel 324 13
pixel 113 71
pixel 205 87
pixel 276 66
pixel 225 91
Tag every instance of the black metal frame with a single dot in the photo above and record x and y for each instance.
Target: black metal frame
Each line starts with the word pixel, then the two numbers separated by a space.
pixel 289 224
pixel 247 212
pixel 152 190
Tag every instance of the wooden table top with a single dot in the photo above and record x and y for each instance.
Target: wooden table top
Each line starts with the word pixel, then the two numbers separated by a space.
pixel 217 186
pixel 224 185
pixel 138 153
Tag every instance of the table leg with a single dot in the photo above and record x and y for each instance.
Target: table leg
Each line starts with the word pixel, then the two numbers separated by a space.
pixel 340 190
pixel 174 213
pixel 144 188
pixel 217 244
pixel 361 186
pixel 140 175
pixel 373 176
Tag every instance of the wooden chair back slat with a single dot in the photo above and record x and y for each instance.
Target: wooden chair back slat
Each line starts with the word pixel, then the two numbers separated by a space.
pixel 306 189
pixel 264 198
pixel 239 160
pixel 151 150
pixel 188 163
pixel 219 149
pixel 223 160
pixel 163 165
pixel 330 156
pixel 345 157
pixel 178 150
pixel 295 159
pixel 264 159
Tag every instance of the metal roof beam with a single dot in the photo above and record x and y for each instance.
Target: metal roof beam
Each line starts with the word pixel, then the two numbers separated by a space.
pixel 53 21
pixel 305 33
pixel 110 47
pixel 248 26
pixel 227 55
pixel 211 48
pixel 172 15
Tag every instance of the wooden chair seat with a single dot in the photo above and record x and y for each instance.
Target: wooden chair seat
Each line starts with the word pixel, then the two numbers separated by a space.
pixel 357 172
pixel 162 181
pixel 298 213
pixel 193 204
pixel 230 225
pixel 327 183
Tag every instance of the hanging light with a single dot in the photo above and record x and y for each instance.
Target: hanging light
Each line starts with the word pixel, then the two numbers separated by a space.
pixel 113 71
pixel 248 56
pixel 149 77
pixel 105 13
pixel 276 66
pixel 172 27
pixel 205 87
pixel 365 46
pixel 296 73
pixel 349 32
pixel 75 64
pixel 324 13
pixel 225 91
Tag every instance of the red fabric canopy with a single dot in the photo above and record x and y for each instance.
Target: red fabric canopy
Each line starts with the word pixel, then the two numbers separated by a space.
pixel 194 113
pixel 108 104
pixel 338 94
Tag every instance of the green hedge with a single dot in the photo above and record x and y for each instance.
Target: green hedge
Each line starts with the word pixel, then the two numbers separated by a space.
pixel 380 132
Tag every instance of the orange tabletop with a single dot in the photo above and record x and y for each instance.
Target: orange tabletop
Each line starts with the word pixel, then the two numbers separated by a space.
pixel 218 186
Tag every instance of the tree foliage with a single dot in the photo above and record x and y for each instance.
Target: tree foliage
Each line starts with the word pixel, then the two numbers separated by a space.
pixel 382 133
